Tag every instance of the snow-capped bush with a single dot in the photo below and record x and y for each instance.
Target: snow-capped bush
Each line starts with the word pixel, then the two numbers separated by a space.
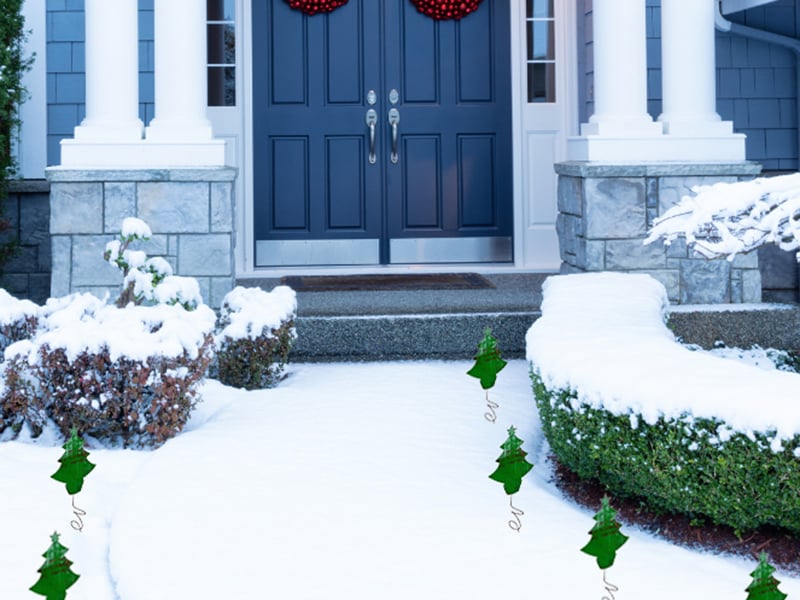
pixel 256 337
pixel 127 375
pixel 18 319
pixel 726 219
pixel 148 279
pixel 623 403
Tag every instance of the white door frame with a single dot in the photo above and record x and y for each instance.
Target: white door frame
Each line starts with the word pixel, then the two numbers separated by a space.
pixel 535 242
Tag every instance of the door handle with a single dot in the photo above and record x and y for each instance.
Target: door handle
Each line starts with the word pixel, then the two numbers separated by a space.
pixel 394 121
pixel 372 120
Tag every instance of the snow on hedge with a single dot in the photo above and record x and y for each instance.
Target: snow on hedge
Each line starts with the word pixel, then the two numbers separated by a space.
pixel 14 310
pixel 252 312
pixel 82 322
pixel 603 335
pixel 726 219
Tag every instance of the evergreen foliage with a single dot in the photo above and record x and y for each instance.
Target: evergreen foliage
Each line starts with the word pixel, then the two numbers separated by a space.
pixel 13 65
pixel 686 465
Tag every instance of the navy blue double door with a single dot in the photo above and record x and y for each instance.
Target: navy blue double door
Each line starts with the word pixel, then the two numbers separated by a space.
pixel 381 135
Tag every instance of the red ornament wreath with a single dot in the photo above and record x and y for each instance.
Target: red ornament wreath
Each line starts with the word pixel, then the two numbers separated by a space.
pixel 312 7
pixel 446 9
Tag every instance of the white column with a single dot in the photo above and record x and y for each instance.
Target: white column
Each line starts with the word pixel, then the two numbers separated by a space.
pixel 620 71
pixel 689 69
pixel 180 72
pixel 112 73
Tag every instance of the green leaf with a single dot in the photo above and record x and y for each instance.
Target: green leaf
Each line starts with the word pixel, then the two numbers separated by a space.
pixel 606 538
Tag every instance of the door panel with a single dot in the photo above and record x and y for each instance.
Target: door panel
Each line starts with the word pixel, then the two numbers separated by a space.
pixel 316 195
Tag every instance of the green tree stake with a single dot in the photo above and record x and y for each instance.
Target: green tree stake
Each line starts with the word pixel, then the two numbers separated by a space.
pixel 764 585
pixel 74 464
pixel 511 469
pixel 74 468
pixel 55 574
pixel 606 538
pixel 487 365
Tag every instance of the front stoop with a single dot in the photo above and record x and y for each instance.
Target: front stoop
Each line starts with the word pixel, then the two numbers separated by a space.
pixel 409 325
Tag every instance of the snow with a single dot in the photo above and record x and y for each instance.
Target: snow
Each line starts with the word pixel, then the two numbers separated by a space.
pixel 82 322
pixel 347 481
pixel 13 310
pixel 251 312
pixel 133 228
pixel 599 329
pixel 726 219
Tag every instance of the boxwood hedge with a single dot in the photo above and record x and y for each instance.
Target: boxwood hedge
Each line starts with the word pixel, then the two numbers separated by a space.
pixel 698 467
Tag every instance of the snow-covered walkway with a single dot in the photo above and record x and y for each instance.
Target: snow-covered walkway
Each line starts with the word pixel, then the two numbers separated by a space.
pixel 348 481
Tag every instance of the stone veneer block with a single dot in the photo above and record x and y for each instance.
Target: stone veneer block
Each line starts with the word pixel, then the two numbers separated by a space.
pixel 751 285
pixel 221 208
pixel 570 195
pixel 591 255
pixel 673 189
pixel 93 271
pixel 614 208
pixel 624 255
pixel 218 288
pixel 175 207
pixel 705 281
pixel 61 246
pixel 76 208
pixel 205 255
pixel 119 203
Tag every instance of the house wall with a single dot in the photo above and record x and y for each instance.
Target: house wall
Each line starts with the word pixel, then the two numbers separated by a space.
pixel 65 70
pixel 756 81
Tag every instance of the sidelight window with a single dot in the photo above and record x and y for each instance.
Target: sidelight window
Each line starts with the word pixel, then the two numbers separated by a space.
pixel 221 52
pixel 541 55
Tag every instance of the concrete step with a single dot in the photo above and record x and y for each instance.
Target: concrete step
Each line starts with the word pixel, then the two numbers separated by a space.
pixel 448 324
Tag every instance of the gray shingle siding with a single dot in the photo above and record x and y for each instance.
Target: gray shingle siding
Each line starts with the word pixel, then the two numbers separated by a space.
pixel 65 69
pixel 756 81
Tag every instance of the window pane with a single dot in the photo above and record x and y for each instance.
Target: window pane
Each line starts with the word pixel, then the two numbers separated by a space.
pixel 221 86
pixel 221 45
pixel 219 10
pixel 541 82
pixel 540 9
pixel 540 40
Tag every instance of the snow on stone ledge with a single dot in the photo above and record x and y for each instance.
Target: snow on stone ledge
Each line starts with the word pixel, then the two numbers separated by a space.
pixel 251 312
pixel 603 336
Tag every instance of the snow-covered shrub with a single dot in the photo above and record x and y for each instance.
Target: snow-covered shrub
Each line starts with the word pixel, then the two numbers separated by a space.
pixel 126 376
pixel 147 279
pixel 18 319
pixel 726 219
pixel 623 403
pixel 698 467
pixel 257 331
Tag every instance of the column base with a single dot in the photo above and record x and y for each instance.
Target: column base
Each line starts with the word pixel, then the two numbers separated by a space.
pixel 698 127
pixel 144 154
pixel 109 131
pixel 657 148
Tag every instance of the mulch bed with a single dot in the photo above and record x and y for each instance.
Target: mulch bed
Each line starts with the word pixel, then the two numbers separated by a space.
pixel 782 547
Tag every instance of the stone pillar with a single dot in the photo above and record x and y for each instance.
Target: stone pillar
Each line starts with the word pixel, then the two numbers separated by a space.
pixel 112 83
pixel 689 70
pixel 620 71
pixel 180 72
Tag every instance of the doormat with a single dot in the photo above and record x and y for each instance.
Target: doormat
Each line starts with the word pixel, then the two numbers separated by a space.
pixel 377 283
